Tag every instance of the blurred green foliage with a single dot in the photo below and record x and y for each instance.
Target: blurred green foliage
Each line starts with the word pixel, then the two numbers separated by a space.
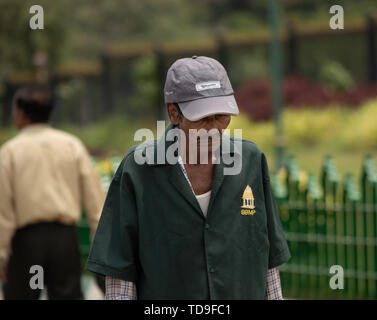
pixel 250 65
pixel 68 97
pixel 310 134
pixel 19 43
pixel 335 76
pixel 337 127
pixel 143 75
pixel 111 136
pixel 78 30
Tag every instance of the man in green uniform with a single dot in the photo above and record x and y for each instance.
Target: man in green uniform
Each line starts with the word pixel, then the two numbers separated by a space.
pixel 188 228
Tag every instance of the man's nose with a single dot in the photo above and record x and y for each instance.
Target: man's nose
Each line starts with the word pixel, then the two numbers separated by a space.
pixel 210 123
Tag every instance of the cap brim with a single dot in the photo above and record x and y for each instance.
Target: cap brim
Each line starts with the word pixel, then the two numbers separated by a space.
pixel 204 107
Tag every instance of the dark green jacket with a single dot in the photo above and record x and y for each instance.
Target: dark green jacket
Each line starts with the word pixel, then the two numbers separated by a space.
pixel 153 232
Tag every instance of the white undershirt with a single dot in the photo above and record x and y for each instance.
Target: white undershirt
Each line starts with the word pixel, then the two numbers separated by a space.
pixel 203 200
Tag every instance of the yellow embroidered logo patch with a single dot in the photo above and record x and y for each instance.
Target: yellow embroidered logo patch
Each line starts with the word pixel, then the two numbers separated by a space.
pixel 248 202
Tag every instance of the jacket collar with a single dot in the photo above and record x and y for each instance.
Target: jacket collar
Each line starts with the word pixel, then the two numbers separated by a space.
pixel 176 175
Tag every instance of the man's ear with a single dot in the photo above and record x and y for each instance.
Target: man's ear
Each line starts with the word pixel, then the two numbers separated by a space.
pixel 20 118
pixel 173 113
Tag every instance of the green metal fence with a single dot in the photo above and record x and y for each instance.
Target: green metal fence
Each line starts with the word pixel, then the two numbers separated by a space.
pixel 327 221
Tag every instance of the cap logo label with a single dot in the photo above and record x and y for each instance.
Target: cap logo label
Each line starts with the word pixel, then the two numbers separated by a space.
pixel 207 85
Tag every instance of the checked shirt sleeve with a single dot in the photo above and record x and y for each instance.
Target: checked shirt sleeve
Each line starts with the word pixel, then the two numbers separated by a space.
pixel 273 286
pixel 118 289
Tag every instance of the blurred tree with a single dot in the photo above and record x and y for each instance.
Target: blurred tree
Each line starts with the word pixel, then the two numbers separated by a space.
pixel 19 43
pixel 96 23
pixel 143 73
pixel 89 25
pixel 78 30
pixel 15 41
pixel 335 75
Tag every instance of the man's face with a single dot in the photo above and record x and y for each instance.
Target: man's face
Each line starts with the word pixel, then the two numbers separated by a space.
pixel 212 125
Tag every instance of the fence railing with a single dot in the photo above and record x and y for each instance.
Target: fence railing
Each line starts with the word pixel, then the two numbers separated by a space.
pixel 327 221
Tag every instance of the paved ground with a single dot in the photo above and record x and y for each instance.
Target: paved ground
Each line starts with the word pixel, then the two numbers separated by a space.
pixel 89 287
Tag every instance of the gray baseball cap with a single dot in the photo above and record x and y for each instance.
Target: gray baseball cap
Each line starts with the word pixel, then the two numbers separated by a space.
pixel 201 87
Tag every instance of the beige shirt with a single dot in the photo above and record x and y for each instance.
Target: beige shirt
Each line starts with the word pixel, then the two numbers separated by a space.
pixel 45 175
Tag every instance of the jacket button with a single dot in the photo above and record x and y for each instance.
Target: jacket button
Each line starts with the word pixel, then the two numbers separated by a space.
pixel 207 226
pixel 212 270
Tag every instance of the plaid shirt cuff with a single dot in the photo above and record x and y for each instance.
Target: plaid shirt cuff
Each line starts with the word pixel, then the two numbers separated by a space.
pixel 273 286
pixel 117 289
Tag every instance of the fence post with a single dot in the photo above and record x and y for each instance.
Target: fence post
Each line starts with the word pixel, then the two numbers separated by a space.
pixel 372 48
pixel 279 188
pixel 369 194
pixel 276 78
pixel 294 197
pixel 222 51
pixel 161 75
pixel 292 49
pixel 292 179
pixel 329 185
pixel 7 103
pixel 352 197
pixel 313 196
pixel 54 82
pixel 106 82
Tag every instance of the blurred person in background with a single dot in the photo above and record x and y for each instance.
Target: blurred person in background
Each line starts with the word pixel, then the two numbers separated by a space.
pixel 45 177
